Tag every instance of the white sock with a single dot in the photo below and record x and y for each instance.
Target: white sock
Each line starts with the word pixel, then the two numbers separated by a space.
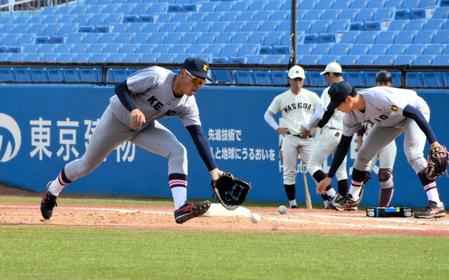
pixel 55 187
pixel 179 196
pixel 292 202
pixel 331 193
pixel 433 195
pixel 355 192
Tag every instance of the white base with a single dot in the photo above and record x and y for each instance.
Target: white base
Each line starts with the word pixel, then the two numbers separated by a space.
pixel 217 210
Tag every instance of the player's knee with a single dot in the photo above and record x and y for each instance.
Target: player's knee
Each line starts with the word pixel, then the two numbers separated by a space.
pixel 178 152
pixel 385 174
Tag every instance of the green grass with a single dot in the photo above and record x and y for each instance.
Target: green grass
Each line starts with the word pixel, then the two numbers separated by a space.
pixel 92 253
pixel 53 252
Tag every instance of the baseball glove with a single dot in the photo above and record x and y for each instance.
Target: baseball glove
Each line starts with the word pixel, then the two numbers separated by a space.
pixel 230 191
pixel 437 162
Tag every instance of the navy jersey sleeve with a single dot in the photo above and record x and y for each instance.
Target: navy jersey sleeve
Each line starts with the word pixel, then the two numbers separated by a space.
pixel 202 145
pixel 124 95
pixel 417 116
pixel 340 153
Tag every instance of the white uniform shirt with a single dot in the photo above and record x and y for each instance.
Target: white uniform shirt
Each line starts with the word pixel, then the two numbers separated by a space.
pixel 383 106
pixel 151 90
pixel 296 110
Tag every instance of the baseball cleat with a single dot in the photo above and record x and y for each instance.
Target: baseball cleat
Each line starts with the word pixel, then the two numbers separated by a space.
pixel 48 202
pixel 345 203
pixel 328 203
pixel 191 210
pixel 431 211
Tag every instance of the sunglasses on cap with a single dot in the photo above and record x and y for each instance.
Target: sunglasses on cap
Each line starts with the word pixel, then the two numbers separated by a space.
pixel 195 80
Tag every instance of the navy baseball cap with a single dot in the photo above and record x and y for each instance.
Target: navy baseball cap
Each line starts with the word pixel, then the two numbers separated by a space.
pixel 383 77
pixel 338 93
pixel 197 67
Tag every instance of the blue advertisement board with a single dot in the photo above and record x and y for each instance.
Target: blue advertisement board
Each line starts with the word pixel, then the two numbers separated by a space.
pixel 42 127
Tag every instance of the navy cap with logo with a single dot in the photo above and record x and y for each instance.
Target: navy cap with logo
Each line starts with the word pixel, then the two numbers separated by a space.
pixel 197 67
pixel 338 93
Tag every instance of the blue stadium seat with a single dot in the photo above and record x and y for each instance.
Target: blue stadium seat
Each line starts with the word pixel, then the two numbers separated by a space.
pixel 405 37
pixel 331 14
pixel 6 74
pixel 348 60
pixel 378 49
pixel 384 60
pixel 325 38
pixel 382 14
pixel 434 79
pixel 416 49
pixel 443 60
pixel 316 79
pixel 365 60
pixel 434 49
pixel 279 77
pixel 39 75
pixel 348 37
pixel 396 49
pixel 244 77
pixel 386 37
pixel 365 15
pixel 370 78
pixel 90 75
pixel 55 75
pixel 358 4
pixel 21 74
pixel 415 79
pixel 423 60
pixel 441 37
pixel 441 12
pixel 367 37
pixel 355 78
pixel 359 49
pixel 398 24
pixel 319 26
pixel 424 37
pixel 415 24
pixel 348 14
pixel 262 77
pixel 307 59
pixel 222 76
pixel 111 48
pixel 428 3
pixel 340 49
pixel 257 37
pixel 404 59
pixel 325 59
pixel 339 25
pixel 340 4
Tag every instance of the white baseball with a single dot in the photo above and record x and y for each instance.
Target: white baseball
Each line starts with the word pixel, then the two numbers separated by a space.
pixel 282 209
pixel 255 218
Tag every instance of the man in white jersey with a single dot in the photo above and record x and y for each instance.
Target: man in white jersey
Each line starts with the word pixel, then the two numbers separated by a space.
pixel 327 139
pixel 386 155
pixel 393 111
pixel 296 106
pixel 146 96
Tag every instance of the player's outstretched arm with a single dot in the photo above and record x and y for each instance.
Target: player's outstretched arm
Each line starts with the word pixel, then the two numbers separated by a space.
pixel 203 147
pixel 340 153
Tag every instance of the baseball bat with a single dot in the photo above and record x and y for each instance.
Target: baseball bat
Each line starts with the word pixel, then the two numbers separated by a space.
pixel 306 186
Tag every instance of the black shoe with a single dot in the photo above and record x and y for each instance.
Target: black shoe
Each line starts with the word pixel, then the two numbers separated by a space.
pixel 191 210
pixel 328 203
pixel 345 203
pixel 293 207
pixel 48 202
pixel 431 211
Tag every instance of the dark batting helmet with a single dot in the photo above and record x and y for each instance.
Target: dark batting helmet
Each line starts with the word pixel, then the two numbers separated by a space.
pixel 383 77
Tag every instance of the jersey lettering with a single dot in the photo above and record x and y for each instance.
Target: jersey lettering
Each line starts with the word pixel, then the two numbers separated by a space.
pixel 299 105
pixel 381 118
pixel 157 105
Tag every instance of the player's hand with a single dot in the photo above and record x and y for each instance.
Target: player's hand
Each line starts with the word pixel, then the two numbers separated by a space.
pixel 283 131
pixel 215 173
pixel 304 132
pixel 137 119
pixel 322 185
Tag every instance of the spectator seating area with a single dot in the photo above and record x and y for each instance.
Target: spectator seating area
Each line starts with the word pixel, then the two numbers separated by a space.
pixel 352 32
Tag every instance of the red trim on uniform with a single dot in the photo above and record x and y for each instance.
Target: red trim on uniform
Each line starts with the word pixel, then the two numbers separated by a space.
pixel 356 184
pixel 61 181
pixel 177 183
pixel 430 186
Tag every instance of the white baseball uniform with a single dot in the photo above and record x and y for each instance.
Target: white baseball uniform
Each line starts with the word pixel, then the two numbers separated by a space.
pixel 296 111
